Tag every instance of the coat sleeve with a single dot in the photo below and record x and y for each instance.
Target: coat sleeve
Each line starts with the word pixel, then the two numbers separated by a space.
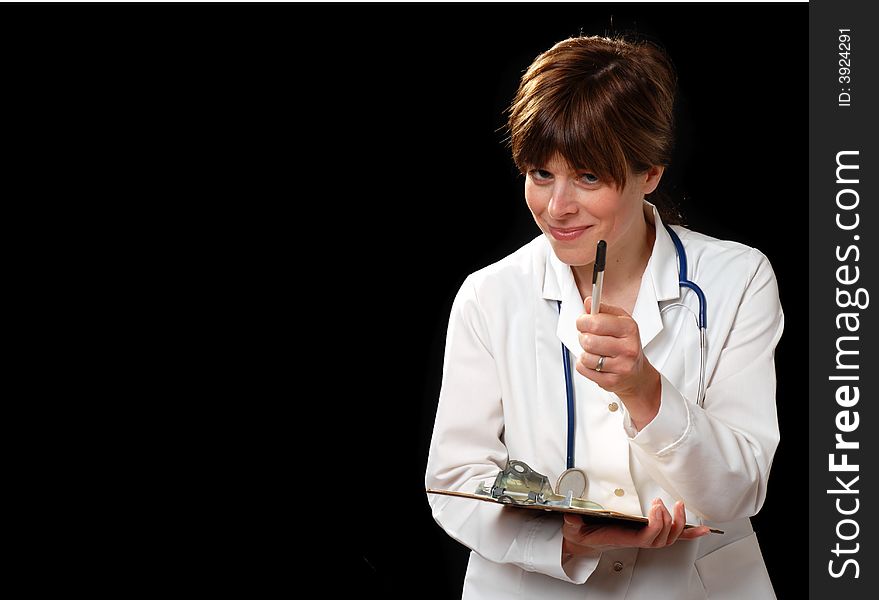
pixel 717 458
pixel 467 448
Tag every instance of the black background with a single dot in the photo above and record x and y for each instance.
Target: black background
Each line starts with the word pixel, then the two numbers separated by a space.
pixel 243 181
pixel 410 157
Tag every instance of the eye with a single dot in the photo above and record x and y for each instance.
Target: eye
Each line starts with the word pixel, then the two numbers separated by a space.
pixel 540 175
pixel 589 178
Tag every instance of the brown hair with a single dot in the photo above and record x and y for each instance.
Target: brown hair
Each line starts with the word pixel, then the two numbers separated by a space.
pixel 603 104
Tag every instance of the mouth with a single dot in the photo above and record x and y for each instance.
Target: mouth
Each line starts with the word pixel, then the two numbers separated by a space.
pixel 566 234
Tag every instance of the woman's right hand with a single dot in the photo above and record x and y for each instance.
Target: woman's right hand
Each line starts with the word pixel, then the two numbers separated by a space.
pixel 661 531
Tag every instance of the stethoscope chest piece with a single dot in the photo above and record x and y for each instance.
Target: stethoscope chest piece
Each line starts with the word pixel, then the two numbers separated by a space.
pixel 574 481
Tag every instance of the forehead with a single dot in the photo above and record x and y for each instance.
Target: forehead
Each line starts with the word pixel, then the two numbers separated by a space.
pixel 559 163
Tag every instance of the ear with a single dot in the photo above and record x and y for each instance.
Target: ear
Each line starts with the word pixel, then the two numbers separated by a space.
pixel 653 175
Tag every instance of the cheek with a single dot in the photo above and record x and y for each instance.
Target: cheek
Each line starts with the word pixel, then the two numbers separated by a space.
pixel 604 206
pixel 614 207
pixel 536 197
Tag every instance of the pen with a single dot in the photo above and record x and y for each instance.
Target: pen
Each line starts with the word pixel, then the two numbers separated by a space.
pixel 598 276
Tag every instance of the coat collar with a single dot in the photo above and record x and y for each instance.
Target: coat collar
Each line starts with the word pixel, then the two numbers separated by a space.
pixel 659 283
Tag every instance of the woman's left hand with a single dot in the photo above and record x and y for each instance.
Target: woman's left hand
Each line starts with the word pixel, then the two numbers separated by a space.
pixel 626 372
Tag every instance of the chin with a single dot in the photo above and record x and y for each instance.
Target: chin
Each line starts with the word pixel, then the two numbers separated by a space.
pixel 573 256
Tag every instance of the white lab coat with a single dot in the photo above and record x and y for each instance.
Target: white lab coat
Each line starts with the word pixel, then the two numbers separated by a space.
pixel 503 396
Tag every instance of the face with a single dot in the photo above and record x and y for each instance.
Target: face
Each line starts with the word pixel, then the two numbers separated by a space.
pixel 575 209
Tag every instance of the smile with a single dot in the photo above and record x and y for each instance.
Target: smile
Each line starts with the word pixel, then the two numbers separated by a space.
pixel 568 234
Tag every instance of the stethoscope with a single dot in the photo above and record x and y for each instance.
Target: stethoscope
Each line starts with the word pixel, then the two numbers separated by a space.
pixel 573 480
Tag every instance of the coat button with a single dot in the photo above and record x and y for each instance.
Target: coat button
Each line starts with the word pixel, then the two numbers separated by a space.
pixel 613 407
pixel 617 566
pixel 619 491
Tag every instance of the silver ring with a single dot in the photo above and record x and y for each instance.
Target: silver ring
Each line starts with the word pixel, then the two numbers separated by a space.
pixel 600 364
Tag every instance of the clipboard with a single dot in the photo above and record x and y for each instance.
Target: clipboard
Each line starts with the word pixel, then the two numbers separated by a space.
pixel 519 486
pixel 608 517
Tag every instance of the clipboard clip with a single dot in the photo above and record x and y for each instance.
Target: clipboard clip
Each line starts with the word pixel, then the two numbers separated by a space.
pixel 518 483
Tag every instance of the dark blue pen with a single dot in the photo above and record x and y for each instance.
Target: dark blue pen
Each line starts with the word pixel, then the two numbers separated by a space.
pixel 598 276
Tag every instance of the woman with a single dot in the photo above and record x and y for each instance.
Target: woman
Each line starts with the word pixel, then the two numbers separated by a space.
pixel 591 130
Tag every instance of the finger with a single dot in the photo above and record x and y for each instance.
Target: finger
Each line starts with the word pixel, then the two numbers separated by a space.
pixel 601 344
pixel 606 324
pixel 678 527
pixel 573 521
pixel 590 361
pixel 574 530
pixel 605 378
pixel 654 526
pixel 662 538
pixel 587 372
pixel 603 324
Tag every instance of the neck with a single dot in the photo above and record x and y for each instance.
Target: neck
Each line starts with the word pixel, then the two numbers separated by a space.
pixel 625 263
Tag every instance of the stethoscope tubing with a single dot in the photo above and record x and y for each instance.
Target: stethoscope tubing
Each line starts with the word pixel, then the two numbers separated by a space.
pixel 569 394
pixel 682 276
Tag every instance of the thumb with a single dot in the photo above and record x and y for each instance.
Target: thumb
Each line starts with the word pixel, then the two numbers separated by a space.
pixel 573 520
pixel 605 308
pixel 587 304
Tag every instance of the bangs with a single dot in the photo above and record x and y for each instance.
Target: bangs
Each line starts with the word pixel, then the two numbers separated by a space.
pixel 578 127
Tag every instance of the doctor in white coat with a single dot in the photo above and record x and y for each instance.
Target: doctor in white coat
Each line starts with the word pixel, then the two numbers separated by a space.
pixel 591 130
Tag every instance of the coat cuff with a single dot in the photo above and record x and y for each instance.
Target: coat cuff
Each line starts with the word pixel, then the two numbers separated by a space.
pixel 545 554
pixel 669 427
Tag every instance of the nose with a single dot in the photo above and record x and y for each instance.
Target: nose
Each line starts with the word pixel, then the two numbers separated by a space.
pixel 563 200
